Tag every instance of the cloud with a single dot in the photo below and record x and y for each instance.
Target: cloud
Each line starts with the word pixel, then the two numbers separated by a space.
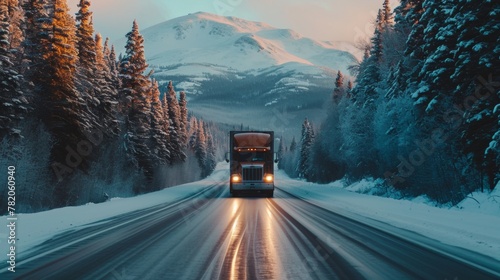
pixel 336 20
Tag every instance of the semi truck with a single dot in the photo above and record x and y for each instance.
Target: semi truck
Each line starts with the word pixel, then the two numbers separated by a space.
pixel 251 160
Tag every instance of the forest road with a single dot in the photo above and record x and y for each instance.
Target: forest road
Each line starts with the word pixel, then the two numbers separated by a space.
pixel 211 235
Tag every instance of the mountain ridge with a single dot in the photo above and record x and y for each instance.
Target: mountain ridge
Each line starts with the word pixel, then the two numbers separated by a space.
pixel 233 68
pixel 246 45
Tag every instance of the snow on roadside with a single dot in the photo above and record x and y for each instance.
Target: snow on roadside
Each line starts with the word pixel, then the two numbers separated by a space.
pixel 33 229
pixel 474 224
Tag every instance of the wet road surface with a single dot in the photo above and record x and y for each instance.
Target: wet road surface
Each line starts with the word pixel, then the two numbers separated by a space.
pixel 211 235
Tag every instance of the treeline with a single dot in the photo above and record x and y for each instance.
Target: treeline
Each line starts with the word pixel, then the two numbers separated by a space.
pixel 425 110
pixel 80 125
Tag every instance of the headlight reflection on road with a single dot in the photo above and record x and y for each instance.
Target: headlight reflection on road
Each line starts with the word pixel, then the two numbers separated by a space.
pixel 269 215
pixel 236 239
pixel 270 266
pixel 235 207
pixel 253 249
pixel 234 228
pixel 237 232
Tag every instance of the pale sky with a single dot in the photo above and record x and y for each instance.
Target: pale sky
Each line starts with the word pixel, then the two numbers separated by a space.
pixel 332 20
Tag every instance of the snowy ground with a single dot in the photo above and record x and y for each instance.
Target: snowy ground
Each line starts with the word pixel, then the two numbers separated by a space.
pixel 474 224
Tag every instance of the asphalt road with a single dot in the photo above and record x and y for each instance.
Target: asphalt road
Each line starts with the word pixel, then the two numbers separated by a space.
pixel 211 235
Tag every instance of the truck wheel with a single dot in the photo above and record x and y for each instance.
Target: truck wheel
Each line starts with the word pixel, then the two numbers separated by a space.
pixel 235 193
pixel 270 193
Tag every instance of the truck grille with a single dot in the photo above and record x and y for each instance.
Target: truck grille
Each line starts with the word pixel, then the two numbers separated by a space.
pixel 252 174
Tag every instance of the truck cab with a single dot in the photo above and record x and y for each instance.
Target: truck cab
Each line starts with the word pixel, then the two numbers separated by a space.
pixel 251 160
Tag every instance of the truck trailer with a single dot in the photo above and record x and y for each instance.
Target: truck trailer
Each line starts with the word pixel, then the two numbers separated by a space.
pixel 251 160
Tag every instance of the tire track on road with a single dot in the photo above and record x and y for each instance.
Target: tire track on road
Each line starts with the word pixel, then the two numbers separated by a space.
pixel 106 240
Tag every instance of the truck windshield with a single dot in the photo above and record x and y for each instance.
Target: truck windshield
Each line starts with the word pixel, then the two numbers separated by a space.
pixel 251 156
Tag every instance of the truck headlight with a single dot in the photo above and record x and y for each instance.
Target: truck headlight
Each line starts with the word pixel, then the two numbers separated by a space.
pixel 235 178
pixel 269 178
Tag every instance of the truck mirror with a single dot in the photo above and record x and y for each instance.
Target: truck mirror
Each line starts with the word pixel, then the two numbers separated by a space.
pixel 227 156
pixel 276 158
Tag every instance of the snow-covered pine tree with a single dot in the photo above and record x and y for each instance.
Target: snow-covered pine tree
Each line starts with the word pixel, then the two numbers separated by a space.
pixel 107 109
pixel 377 45
pixel 211 160
pixel 406 35
pixel 106 51
pixel 193 128
pixel 477 51
pixel 132 70
pixel 61 106
pixel 491 164
pixel 339 81
pixel 281 148
pixel 390 124
pixel 411 12
pixel 12 101
pixel 16 34
pixel 293 145
pixel 281 152
pixel 114 76
pixel 356 133
pixel 350 86
pixel 86 82
pixel 160 152
pixel 183 118
pixel 100 61
pixel 305 149
pixel 61 59
pixel 408 30
pixel 201 148
pixel 388 16
pixel 439 39
pixel 167 127
pixel 448 53
pixel 85 34
pixel 402 25
pixel 111 60
pixel 369 75
pixel 36 42
pixel 476 78
pixel 174 112
pixel 339 90
pixel 419 48
pixel 394 44
pixel 136 91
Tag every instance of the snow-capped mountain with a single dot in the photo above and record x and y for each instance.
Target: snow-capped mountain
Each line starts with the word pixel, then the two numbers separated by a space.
pixel 235 43
pixel 222 60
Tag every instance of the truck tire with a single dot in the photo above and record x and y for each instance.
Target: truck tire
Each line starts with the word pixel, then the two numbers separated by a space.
pixel 270 193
